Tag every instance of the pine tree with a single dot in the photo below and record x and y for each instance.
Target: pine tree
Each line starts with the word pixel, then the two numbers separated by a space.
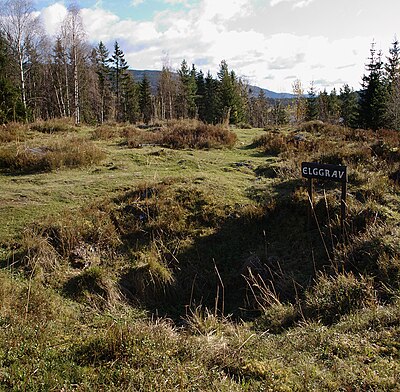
pixel 145 103
pixel 374 93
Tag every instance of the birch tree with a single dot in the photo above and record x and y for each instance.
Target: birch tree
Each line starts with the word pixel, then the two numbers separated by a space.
pixel 167 92
pixel 73 34
pixel 20 27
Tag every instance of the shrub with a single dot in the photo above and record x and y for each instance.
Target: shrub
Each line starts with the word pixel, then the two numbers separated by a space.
pixel 319 127
pixel 272 143
pixel 182 134
pixel 106 131
pixel 334 296
pixel 387 151
pixel 313 126
pixel 136 137
pixel 200 136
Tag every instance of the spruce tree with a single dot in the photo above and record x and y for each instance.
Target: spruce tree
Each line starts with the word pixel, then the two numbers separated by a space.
pixel 201 96
pixel 278 113
pixel 333 107
pixel 374 93
pixel 349 107
pixel 130 99
pixel 323 106
pixel 103 72
pixel 311 105
pixel 119 67
pixel 187 91
pixel 259 110
pixel 11 106
pixel 145 99
pixel 392 68
pixel 211 99
pixel 230 99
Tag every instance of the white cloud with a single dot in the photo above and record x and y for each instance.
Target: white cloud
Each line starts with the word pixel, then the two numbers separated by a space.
pixel 297 3
pixel 224 9
pixel 52 17
pixel 106 26
pixel 302 4
pixel 211 31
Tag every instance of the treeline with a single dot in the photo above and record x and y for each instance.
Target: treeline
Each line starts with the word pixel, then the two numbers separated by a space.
pixel 376 105
pixel 44 78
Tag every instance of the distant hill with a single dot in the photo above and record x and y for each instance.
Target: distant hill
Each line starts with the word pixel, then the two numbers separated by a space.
pixel 254 91
pixel 154 77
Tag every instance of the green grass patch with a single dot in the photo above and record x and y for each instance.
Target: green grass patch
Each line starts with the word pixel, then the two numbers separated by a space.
pixel 207 233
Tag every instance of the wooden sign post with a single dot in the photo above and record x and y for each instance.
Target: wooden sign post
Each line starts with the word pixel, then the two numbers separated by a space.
pixel 322 171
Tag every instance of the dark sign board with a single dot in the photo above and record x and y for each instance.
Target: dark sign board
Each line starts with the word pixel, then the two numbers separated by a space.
pixel 324 171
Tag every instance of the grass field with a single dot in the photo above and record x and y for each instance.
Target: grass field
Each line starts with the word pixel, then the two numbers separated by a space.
pixel 131 265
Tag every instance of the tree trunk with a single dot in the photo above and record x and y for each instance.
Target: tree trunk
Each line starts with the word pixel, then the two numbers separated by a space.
pixel 22 79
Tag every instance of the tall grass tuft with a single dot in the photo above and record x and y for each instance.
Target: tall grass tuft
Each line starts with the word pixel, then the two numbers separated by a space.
pixel 69 152
pixel 331 297
pixel 55 125
pixel 12 132
pixel 95 286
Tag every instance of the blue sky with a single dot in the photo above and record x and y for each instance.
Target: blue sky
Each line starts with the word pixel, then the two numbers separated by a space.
pixel 136 9
pixel 270 43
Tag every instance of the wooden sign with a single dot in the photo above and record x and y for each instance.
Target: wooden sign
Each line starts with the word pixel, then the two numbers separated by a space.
pixel 323 171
